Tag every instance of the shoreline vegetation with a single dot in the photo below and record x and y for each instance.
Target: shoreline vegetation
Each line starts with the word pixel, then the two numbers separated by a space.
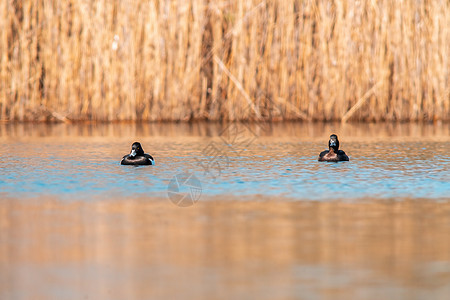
pixel 113 60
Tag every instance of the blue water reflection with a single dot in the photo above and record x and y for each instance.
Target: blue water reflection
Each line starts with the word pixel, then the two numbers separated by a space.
pixel 88 168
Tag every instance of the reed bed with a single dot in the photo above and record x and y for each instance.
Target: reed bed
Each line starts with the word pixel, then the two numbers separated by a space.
pixel 113 60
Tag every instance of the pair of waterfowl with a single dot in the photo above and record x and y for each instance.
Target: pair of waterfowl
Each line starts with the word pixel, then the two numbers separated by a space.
pixel 138 157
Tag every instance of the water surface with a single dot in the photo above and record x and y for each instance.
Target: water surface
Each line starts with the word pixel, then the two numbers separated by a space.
pixel 82 161
pixel 271 222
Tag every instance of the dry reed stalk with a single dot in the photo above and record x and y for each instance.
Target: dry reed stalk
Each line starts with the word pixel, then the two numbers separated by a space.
pixel 153 60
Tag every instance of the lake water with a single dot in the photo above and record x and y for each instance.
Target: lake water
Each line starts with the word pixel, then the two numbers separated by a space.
pixel 264 219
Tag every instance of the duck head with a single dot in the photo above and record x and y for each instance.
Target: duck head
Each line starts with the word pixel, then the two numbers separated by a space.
pixel 333 143
pixel 136 150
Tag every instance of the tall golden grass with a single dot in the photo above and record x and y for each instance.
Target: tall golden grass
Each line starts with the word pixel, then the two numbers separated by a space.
pixel 239 59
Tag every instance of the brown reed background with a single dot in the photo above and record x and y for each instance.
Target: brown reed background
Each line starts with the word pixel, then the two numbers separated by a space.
pixel 111 60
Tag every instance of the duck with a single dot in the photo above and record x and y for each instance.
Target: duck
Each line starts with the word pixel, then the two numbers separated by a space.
pixel 137 156
pixel 333 154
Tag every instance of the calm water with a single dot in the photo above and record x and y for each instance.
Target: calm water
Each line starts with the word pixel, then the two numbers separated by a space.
pixel 270 221
pixel 82 162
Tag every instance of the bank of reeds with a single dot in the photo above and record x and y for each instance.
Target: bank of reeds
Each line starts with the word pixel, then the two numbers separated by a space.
pixel 237 60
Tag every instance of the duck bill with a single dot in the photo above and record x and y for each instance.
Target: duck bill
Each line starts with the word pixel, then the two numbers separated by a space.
pixel 332 143
pixel 133 153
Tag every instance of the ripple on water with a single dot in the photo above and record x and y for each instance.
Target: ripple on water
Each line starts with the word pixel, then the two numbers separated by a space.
pixel 288 168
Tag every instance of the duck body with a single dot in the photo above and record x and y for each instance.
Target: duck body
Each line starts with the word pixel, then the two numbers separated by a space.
pixel 137 157
pixel 143 160
pixel 333 154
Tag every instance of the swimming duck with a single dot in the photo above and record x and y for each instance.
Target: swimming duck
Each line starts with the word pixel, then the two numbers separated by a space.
pixel 333 154
pixel 137 156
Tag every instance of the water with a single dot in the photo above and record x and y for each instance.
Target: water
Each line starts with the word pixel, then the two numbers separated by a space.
pixel 270 223
pixel 82 162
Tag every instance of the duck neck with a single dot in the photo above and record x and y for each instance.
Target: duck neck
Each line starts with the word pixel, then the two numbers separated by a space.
pixel 333 150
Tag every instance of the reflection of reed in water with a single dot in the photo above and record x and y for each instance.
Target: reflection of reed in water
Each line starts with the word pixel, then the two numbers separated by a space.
pixel 155 249
pixel 372 132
